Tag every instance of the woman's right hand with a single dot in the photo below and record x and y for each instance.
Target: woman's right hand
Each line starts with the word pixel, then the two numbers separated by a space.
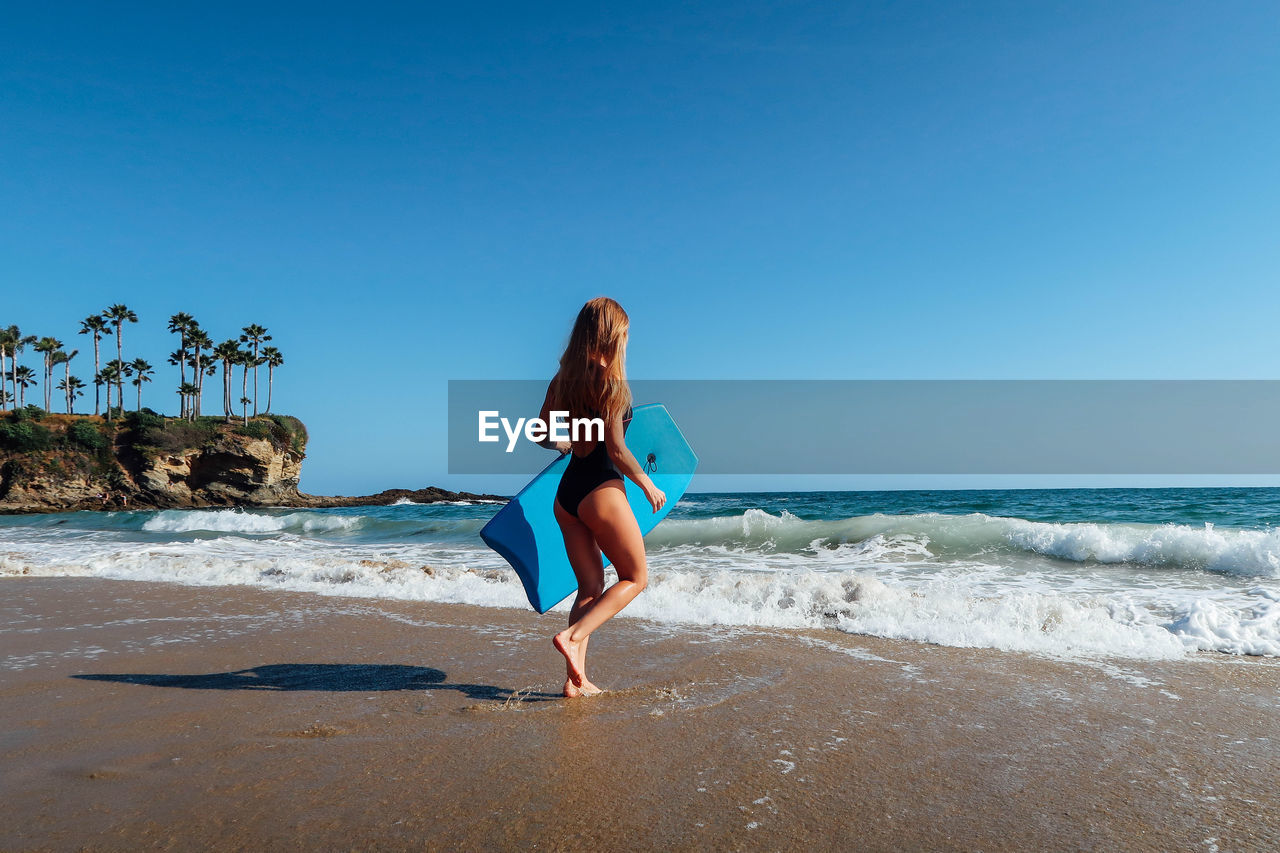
pixel 655 496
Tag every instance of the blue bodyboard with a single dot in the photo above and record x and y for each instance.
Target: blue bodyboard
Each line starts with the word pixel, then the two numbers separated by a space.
pixel 525 531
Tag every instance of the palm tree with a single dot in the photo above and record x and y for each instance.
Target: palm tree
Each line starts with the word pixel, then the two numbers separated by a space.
pixel 273 359
pixel 23 378
pixel 117 371
pixel 256 335
pixel 244 406
pixel 227 352
pixel 188 390
pixel 210 369
pixel 65 358
pixel 48 346
pixel 142 371
pixel 11 343
pixel 71 385
pixel 182 324
pixel 20 343
pixel 200 341
pixel 178 357
pixel 109 376
pixel 119 315
pixel 55 358
pixel 96 326
pixel 8 339
pixel 244 359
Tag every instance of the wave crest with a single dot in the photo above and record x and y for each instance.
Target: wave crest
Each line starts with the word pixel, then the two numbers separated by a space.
pixel 1248 552
pixel 237 521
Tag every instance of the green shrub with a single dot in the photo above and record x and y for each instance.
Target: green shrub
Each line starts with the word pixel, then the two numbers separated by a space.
pixel 25 436
pixel 181 435
pixel 255 429
pixel 29 412
pixel 281 435
pixel 151 435
pixel 87 435
pixel 296 430
pixel 145 419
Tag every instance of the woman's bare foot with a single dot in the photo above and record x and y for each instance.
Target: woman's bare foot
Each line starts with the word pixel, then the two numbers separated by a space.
pixel 571 652
pixel 573 691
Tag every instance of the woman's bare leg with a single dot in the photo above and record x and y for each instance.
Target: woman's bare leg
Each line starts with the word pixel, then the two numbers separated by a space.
pixel 588 568
pixel 607 514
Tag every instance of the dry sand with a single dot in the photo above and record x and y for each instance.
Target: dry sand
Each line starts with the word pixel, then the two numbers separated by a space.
pixel 227 718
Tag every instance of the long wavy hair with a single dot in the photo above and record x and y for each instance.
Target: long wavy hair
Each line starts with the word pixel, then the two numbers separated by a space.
pixel 582 386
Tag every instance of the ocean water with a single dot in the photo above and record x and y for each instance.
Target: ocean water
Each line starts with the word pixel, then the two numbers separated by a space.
pixel 1133 573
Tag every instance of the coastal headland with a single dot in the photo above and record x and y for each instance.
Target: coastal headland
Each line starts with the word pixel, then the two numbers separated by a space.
pixel 143 460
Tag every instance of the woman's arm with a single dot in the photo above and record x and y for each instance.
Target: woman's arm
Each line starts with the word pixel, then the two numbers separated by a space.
pixel 545 417
pixel 621 456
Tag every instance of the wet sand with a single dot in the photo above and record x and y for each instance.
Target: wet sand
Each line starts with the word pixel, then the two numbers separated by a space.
pixel 227 718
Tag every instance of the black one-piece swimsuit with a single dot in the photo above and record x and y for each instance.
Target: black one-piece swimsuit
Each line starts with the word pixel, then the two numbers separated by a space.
pixel 587 472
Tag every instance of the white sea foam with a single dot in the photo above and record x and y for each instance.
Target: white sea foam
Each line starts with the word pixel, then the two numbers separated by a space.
pixel 1216 626
pixel 238 521
pixel 950 612
pixel 944 613
pixel 1083 589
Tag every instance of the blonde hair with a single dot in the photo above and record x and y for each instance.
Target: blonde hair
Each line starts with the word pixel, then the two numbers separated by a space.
pixel 582 386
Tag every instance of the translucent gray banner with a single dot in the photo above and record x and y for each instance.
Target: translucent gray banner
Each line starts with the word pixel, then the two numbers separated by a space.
pixel 917 426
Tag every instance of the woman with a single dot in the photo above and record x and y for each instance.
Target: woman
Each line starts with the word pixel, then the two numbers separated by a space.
pixel 591 502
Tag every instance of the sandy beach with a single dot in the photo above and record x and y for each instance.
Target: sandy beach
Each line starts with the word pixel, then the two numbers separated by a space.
pixel 164 716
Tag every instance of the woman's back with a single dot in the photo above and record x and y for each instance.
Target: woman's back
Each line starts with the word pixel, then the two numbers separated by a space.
pixel 583 449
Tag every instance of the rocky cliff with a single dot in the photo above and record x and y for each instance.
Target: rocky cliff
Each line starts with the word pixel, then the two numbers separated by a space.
pixel 59 463
pixel 67 462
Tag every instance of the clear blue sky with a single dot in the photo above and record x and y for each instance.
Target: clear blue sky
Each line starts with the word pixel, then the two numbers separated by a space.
pixel 405 194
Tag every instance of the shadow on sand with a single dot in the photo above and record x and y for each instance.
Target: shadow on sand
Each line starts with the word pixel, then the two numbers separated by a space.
pixel 334 677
